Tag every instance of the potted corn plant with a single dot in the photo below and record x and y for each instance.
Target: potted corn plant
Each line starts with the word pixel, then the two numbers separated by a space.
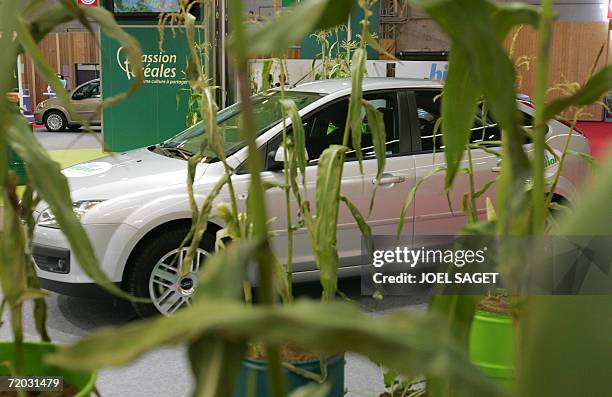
pixel 22 25
pixel 219 327
pixel 491 328
pixel 299 367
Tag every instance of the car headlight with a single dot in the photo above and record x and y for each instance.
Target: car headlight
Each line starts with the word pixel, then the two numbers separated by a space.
pixel 80 208
pixel 40 105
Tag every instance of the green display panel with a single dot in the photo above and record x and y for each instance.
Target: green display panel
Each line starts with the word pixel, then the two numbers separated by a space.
pixel 310 48
pixel 151 114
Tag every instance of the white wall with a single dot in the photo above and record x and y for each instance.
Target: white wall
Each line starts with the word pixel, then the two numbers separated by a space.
pixel 579 10
pixel 299 70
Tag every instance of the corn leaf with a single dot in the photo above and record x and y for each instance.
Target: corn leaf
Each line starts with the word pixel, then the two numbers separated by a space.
pixel 592 216
pixel 329 177
pixel 289 29
pixel 52 186
pixel 44 68
pixel 459 103
pixel 45 22
pixel 365 229
pixel 298 135
pixel 215 364
pixel 379 139
pixel 410 198
pixel 130 45
pixel 512 14
pixel 281 282
pixel 458 312
pixel 201 224
pixel 567 332
pixel 410 343
pixel 470 24
pixel 353 120
pixel 373 42
pixel 39 309
pixel 222 276
pixel 266 84
pixel 592 91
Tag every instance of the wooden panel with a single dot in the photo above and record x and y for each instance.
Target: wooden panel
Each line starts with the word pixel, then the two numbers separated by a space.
pixel 389 46
pixel 74 47
pixel 573 53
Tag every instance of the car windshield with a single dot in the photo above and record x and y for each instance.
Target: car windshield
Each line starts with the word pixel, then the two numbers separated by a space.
pixel 267 112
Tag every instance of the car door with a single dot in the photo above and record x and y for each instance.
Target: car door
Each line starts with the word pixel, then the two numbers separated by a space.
pixel 323 128
pixel 86 100
pixel 435 211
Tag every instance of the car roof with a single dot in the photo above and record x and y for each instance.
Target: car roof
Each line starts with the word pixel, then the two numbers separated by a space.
pixel 369 83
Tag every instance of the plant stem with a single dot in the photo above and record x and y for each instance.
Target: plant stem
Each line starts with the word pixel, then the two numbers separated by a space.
pixel 289 269
pixel 539 132
pixel 562 159
pixel 473 215
pixel 257 205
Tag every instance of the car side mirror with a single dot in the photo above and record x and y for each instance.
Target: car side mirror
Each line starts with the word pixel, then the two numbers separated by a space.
pixel 276 159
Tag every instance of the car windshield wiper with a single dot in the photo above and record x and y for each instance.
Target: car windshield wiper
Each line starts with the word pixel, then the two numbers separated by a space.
pixel 185 154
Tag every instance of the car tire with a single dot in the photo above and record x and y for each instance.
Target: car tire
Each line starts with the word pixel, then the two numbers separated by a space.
pixel 55 121
pixel 157 253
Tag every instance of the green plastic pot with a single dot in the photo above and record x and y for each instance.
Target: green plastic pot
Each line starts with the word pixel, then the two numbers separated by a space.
pixel 17 165
pixel 253 381
pixel 492 347
pixel 35 366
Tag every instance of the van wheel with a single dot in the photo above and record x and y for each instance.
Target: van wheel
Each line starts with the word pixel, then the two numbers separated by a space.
pixel 55 121
pixel 155 272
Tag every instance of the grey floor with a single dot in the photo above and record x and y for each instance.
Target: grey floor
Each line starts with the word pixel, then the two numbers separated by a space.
pixel 69 139
pixel 165 372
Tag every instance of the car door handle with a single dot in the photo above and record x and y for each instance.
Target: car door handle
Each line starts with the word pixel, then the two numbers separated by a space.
pixel 388 179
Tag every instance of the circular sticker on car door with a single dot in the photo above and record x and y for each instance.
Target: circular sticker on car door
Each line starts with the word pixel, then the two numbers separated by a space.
pixel 87 169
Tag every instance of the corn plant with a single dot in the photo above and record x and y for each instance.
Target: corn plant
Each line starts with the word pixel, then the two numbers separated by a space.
pixel 220 341
pixel 218 326
pixel 479 67
pixel 335 56
pixel 22 25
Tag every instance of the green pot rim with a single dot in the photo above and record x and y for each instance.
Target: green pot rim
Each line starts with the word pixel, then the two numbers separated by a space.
pixel 331 359
pixel 488 315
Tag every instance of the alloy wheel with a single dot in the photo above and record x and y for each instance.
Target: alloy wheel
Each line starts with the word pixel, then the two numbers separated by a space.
pixel 169 291
pixel 55 122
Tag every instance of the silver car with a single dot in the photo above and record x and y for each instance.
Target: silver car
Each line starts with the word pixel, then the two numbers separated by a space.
pixel 86 101
pixel 134 205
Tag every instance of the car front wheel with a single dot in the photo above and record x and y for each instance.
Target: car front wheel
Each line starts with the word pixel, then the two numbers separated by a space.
pixel 55 121
pixel 155 272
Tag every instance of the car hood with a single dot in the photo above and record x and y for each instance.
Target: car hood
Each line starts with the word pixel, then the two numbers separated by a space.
pixel 126 173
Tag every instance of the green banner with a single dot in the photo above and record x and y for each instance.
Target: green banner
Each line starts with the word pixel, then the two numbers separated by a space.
pixel 151 114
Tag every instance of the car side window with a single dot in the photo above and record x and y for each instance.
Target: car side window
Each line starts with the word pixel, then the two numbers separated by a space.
pixel 95 92
pixel 90 90
pixel 325 127
pixel 486 132
pixel 428 113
